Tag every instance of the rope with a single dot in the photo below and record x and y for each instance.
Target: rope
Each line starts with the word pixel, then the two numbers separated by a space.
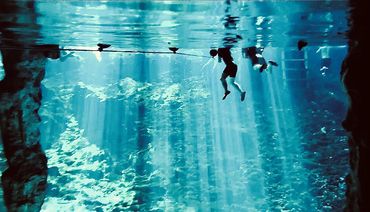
pixel 106 50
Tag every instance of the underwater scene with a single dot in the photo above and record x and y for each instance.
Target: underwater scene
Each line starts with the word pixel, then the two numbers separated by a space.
pixel 144 123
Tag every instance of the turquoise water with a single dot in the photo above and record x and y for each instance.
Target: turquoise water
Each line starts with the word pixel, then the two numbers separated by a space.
pixel 149 132
pixel 191 24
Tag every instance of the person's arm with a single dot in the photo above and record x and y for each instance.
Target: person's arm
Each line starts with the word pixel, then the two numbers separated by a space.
pixel 319 49
pixel 63 58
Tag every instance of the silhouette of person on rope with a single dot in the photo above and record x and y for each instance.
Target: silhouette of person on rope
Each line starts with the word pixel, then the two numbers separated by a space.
pixel 229 71
pixel 258 61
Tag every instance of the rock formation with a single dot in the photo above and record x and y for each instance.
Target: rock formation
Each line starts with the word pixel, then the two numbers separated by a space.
pixel 24 181
pixel 355 78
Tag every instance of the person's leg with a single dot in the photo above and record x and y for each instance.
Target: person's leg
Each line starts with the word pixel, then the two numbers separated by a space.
pixel 224 84
pixel 235 84
pixel 223 81
pixel 237 87
pixel 257 67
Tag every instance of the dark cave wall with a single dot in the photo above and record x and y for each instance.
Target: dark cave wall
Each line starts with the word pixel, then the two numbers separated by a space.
pixel 24 180
pixel 355 77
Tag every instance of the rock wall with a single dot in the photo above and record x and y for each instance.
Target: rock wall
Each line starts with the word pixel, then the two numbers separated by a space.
pixel 355 77
pixel 24 180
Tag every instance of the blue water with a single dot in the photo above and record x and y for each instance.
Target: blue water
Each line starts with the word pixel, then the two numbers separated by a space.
pixel 149 132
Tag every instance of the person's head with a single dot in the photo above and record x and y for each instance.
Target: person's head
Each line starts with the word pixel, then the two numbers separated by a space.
pixel 213 52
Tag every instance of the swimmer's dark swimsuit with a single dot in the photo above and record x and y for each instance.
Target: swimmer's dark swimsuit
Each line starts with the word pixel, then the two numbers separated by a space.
pixel 231 67
pixel 230 70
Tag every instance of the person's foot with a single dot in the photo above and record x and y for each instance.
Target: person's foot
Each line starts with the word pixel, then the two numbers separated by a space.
pixel 242 96
pixel 226 93
pixel 263 67
pixel 273 63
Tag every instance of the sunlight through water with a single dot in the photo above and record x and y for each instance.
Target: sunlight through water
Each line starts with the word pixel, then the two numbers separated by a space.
pixel 140 127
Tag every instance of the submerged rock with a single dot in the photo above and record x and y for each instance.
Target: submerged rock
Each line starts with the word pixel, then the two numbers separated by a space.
pixel 84 180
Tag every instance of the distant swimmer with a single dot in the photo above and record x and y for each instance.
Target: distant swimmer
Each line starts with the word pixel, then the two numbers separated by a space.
pixel 102 46
pixel 325 59
pixel 273 63
pixel 301 44
pixel 229 71
pixel 258 61
pixel 173 49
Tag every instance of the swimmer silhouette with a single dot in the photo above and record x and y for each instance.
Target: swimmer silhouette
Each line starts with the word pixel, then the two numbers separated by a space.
pixel 173 49
pixel 102 46
pixel 229 71
pixel 258 61
pixel 301 44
